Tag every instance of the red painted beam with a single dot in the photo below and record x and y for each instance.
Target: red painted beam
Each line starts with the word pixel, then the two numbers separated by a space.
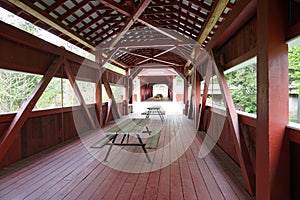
pixel 198 79
pixel 208 76
pixel 71 78
pixel 112 106
pixel 293 31
pixel 99 102
pixel 272 145
pixel 239 144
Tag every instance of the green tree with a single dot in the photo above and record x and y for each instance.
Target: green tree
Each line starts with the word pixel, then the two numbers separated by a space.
pixel 15 87
pixel 294 66
pixel 294 76
pixel 51 97
pixel 242 84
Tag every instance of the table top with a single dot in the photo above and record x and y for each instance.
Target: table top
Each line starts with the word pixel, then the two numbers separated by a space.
pixel 154 108
pixel 131 125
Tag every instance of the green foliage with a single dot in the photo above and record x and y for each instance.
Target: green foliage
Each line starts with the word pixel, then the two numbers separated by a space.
pixel 15 88
pixel 29 28
pixel 51 97
pixel 294 66
pixel 293 119
pixel 242 84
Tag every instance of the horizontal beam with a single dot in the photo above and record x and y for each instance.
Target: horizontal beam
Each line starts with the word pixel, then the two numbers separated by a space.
pixel 149 44
pixel 293 32
pixel 154 66
pixel 17 46
pixel 294 134
pixel 149 58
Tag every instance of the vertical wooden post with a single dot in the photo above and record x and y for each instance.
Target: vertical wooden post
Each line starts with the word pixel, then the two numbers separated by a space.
pixel 208 76
pixel 272 146
pixel 98 94
pixel 185 96
pixel 191 103
pixel 99 99
pixel 127 88
pixel 197 97
pixel 130 89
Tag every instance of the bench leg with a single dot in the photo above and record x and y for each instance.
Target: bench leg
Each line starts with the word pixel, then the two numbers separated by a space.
pixel 147 131
pixel 161 115
pixel 144 149
pixel 124 136
pixel 112 143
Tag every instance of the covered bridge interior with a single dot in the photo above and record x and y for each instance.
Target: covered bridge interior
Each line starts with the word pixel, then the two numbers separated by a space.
pixel 197 39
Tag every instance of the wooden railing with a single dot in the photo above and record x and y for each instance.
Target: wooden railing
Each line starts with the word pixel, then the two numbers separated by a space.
pixel 47 128
pixel 248 130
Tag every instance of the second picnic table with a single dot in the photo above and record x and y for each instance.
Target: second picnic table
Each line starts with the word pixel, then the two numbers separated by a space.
pixel 155 110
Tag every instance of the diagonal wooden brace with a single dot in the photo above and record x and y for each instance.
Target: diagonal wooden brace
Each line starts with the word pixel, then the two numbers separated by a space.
pixel 24 112
pixel 79 95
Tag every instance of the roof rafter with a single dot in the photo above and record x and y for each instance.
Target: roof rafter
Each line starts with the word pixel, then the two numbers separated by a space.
pixel 201 4
pixel 94 21
pixel 150 58
pixel 55 5
pixel 172 16
pixel 213 19
pixel 143 5
pixel 80 19
pixel 141 19
pixel 196 13
pixel 71 11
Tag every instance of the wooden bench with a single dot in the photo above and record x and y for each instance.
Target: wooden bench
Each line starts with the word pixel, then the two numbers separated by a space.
pixel 132 126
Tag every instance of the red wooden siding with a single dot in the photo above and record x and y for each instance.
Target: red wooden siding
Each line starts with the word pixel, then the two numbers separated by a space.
pixel 225 141
pixel 248 128
pixel 240 47
pixel 46 129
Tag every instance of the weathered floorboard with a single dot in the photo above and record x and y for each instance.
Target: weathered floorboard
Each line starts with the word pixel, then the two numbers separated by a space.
pixel 71 171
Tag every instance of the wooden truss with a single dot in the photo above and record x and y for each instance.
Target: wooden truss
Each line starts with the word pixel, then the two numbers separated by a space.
pixel 245 162
pixel 25 111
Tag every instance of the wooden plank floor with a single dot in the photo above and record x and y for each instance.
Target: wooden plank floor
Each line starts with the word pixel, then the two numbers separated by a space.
pixel 72 172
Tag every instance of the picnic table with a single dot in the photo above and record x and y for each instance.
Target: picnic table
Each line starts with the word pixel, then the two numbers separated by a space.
pixel 155 110
pixel 131 126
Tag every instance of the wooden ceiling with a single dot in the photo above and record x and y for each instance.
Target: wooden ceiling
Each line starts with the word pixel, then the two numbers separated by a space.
pixel 129 33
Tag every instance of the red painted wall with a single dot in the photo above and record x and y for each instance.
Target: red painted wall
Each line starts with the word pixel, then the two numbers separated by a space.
pixel 248 126
pixel 46 129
